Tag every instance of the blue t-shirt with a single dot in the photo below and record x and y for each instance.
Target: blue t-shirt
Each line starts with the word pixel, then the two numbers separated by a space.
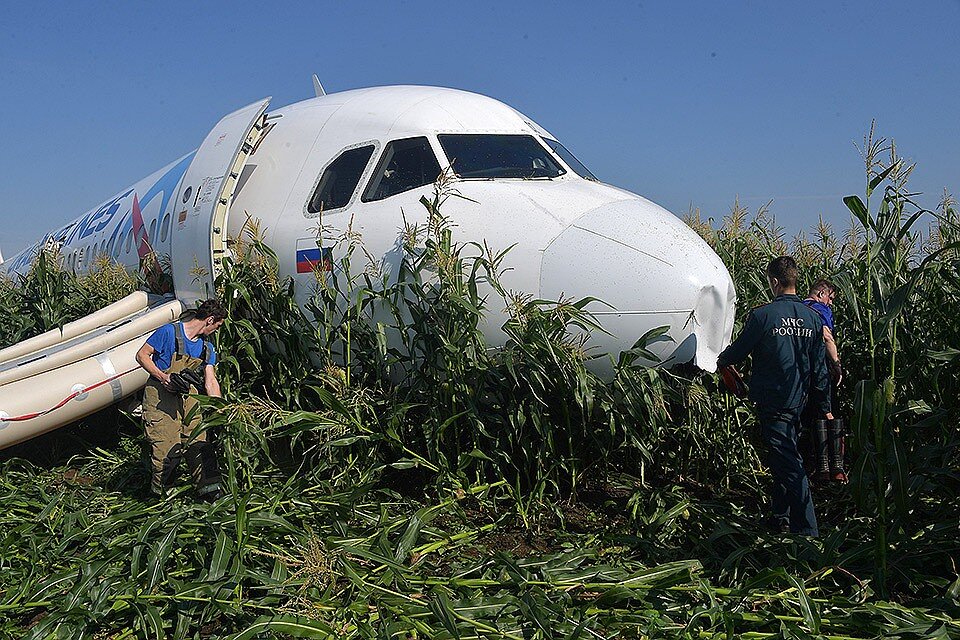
pixel 164 343
pixel 825 312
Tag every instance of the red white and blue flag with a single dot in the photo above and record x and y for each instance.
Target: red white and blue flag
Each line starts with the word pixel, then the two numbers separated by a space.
pixel 311 258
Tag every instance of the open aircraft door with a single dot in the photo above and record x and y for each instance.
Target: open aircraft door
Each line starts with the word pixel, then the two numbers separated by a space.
pixel 198 242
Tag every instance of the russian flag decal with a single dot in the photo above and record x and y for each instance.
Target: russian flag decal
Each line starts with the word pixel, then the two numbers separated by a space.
pixel 310 257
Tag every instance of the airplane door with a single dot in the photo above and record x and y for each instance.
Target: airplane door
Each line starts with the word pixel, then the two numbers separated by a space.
pixel 197 244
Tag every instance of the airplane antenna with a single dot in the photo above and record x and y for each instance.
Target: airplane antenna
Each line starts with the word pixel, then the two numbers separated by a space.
pixel 317 87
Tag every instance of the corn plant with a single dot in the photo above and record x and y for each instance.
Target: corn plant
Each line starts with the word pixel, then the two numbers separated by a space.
pixel 389 476
pixel 885 285
pixel 49 296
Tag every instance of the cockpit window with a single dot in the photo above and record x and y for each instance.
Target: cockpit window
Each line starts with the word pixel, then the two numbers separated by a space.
pixel 570 159
pixel 340 180
pixel 405 164
pixel 498 156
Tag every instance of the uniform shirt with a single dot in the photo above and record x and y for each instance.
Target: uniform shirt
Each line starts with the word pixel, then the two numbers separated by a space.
pixel 164 344
pixel 789 360
pixel 825 312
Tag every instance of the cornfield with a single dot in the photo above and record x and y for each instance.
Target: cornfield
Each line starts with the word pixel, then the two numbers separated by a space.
pixel 387 483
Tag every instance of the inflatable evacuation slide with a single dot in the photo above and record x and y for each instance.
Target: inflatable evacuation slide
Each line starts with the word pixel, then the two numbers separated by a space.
pixel 181 211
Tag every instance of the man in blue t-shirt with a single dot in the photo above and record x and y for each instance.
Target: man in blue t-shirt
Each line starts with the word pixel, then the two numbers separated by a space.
pixel 824 458
pixel 180 361
pixel 820 299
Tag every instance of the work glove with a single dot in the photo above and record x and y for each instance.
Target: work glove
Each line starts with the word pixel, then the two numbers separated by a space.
pixel 733 381
pixel 181 382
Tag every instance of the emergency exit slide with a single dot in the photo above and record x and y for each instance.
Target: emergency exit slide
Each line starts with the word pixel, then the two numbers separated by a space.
pixel 66 374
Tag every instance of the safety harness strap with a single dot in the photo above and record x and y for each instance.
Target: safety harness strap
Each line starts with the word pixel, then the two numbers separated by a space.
pixel 180 343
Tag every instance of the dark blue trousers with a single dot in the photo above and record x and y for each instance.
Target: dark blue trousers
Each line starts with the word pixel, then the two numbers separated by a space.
pixel 792 502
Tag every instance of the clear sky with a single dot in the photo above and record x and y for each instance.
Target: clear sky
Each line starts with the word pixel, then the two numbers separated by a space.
pixel 686 103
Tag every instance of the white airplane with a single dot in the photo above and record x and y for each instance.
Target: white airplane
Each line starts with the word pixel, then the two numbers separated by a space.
pixel 367 156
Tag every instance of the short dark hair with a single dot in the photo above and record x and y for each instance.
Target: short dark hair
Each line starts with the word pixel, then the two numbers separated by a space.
pixel 210 309
pixel 784 269
pixel 822 285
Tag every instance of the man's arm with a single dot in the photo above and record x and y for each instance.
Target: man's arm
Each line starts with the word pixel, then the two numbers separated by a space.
pixel 210 382
pixel 833 356
pixel 820 384
pixel 740 348
pixel 145 360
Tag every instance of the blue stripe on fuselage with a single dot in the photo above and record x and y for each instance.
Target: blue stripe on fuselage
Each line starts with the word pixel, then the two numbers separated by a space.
pixel 103 216
pixel 165 185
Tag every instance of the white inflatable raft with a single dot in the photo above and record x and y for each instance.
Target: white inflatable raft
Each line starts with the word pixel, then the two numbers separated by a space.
pixel 63 375
pixel 133 303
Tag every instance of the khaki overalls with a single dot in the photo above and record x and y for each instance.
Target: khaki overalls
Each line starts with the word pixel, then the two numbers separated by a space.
pixel 165 417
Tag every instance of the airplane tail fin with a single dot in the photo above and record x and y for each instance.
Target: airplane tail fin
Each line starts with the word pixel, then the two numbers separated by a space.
pixel 1 256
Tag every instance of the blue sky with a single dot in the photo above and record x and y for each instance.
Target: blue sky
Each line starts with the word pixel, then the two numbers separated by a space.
pixel 686 103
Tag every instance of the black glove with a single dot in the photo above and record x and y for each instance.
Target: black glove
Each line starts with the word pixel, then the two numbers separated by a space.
pixel 182 381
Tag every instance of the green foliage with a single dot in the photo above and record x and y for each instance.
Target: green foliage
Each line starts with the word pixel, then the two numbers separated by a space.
pixel 268 342
pixel 49 296
pixel 88 555
pixel 896 331
pixel 389 476
pixel 897 413
pixel 399 371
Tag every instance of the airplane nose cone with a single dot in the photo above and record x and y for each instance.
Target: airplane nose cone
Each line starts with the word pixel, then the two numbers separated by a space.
pixel 651 270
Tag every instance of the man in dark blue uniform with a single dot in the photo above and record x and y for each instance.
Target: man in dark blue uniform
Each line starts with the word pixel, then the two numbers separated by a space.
pixel 785 338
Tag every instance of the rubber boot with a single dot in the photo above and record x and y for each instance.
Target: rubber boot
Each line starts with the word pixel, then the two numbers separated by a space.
pixel 202 460
pixel 168 477
pixel 837 450
pixel 821 449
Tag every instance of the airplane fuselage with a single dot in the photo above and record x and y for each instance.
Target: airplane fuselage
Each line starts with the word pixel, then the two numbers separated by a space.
pixel 364 158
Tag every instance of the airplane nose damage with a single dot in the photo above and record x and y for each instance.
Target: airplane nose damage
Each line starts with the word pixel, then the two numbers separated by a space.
pixel 652 270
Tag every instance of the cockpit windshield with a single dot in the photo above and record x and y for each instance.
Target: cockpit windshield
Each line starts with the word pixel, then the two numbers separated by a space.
pixel 570 159
pixel 498 156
